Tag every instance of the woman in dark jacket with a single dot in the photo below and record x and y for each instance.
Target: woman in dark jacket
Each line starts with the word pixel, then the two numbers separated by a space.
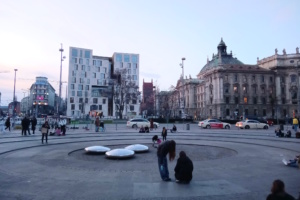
pixel 184 168
pixel 164 134
pixel 167 147
pixel 278 192
pixel 45 129
pixel 7 124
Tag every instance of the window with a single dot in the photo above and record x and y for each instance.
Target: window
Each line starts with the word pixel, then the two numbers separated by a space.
pixel 246 111
pixel 253 79
pixel 86 100
pixel 81 80
pixel 71 99
pixel 263 90
pixel 80 61
pixel 129 65
pixel 99 82
pixel 227 112
pixel 255 112
pixel 227 100
pixel 83 67
pixel 94 75
pixel 126 58
pixel 131 108
pixel 98 69
pixel 262 78
pixel 80 87
pixel 282 79
pixel 129 71
pixel 245 100
pixel 73 79
pixel 72 106
pixel 245 89
pixel 235 77
pixel 134 59
pixel 80 100
pixel 293 78
pixel 94 62
pixel 264 112
pixel 134 71
pixel 95 100
pixel 76 67
pixel 87 87
pixel 244 78
pixel 271 79
pixel 254 100
pixel 134 77
pixel 87 62
pixel 119 57
pixel 79 93
pixel 72 86
pixel 282 91
pixel 121 65
pixel 283 100
pixel 103 101
pixel 254 90
pixel 133 101
pixel 74 53
pixel 73 93
pixel 135 65
pixel 236 100
pixel 87 54
pixel 226 89
pixel 100 107
pixel 263 100
pixel 99 62
pixel 235 88
pixel 211 100
pixel 88 81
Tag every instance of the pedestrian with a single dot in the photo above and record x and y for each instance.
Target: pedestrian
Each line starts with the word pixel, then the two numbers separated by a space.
pixel 33 124
pixel 27 125
pixel 278 192
pixel 295 124
pixel 184 168
pixel 23 123
pixel 7 124
pixel 151 124
pixel 164 134
pixel 102 129
pixel 97 124
pixel 167 147
pixel 45 128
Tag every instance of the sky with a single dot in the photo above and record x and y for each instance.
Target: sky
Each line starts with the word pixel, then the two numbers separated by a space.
pixel 162 32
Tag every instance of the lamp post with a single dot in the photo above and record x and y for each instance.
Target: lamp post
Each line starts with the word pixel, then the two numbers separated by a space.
pixel 14 98
pixel 183 96
pixel 61 60
pixel 298 66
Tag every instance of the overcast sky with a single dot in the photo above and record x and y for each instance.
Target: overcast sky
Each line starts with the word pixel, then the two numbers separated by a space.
pixel 160 31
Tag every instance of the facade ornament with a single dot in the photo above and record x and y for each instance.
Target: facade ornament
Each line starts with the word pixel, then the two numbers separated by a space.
pixel 297 50
pixel 207 60
pixel 276 51
pixel 257 59
pixel 284 52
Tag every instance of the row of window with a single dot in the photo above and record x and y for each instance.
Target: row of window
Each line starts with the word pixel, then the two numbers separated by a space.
pixel 128 65
pixel 126 58
pixel 102 79
pixel 88 68
pixel 81 53
pixel 245 89
pixel 81 107
pixel 86 100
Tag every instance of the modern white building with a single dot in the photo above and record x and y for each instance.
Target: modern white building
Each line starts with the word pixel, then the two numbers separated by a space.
pixel 91 82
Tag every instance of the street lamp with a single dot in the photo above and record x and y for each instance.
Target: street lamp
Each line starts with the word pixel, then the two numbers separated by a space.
pixel 183 96
pixel 61 59
pixel 298 66
pixel 14 98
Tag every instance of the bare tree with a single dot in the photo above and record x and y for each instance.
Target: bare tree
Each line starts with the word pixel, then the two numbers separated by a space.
pixel 125 91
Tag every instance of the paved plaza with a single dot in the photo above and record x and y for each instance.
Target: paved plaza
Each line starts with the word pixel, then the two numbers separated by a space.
pixel 228 164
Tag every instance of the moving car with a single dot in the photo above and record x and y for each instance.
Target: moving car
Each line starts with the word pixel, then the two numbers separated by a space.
pixel 250 123
pixel 134 123
pixel 213 123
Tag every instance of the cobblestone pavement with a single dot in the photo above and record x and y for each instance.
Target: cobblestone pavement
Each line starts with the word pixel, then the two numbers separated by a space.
pixel 228 164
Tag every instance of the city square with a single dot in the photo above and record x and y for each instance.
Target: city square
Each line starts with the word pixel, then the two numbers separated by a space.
pixel 149 100
pixel 228 164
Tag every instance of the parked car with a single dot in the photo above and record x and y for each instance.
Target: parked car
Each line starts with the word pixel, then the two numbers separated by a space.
pixel 247 124
pixel 134 123
pixel 213 123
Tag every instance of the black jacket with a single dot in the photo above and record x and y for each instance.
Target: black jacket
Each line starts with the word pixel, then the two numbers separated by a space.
pixel 34 122
pixel 184 169
pixel 163 148
pixel 280 196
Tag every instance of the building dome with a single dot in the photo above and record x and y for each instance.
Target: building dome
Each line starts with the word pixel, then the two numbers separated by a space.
pixel 222 58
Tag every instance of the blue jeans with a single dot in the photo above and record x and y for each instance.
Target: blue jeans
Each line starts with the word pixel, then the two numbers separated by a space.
pixel 295 127
pixel 97 128
pixel 163 167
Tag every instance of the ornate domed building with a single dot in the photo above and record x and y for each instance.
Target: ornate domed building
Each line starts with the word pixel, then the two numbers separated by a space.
pixel 227 88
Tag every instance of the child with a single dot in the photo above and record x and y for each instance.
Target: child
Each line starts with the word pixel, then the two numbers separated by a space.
pixel 156 141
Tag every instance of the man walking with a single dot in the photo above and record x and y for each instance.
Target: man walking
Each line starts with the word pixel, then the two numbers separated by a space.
pixel 33 124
